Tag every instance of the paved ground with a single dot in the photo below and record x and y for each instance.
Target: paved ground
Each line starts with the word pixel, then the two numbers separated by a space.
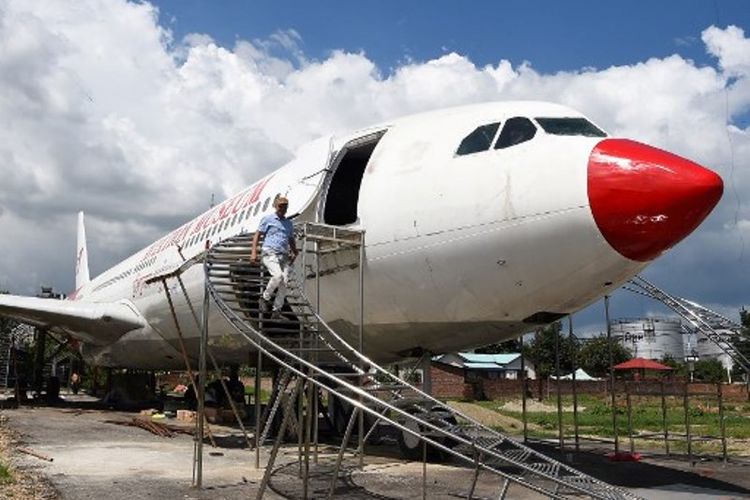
pixel 98 460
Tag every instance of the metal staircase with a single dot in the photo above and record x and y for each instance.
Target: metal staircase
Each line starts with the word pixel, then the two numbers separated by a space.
pixel 720 330
pixel 312 355
pixel 6 344
pixel 20 334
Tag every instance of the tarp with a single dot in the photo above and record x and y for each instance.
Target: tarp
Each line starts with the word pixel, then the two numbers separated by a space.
pixel 500 359
pixel 580 375
pixel 641 364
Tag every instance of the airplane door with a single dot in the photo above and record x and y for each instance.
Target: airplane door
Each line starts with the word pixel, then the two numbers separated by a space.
pixel 341 199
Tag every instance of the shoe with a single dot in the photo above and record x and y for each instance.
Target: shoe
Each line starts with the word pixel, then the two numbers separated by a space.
pixel 276 314
pixel 265 305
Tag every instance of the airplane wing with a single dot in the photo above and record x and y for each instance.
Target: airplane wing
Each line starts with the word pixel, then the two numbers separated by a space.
pixel 99 323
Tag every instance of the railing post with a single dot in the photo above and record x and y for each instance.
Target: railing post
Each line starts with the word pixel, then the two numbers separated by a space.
pixel 611 375
pixel 523 394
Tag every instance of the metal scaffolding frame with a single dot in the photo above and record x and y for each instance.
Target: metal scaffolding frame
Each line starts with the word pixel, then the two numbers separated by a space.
pixel 313 356
pixel 202 428
pixel 702 319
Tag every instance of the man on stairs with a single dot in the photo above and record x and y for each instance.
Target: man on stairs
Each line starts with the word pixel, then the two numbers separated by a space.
pixel 277 254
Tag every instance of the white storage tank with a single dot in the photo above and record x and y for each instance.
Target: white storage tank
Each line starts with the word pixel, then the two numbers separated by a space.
pixel 707 349
pixel 651 338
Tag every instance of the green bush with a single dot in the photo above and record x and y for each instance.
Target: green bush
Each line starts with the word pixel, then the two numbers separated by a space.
pixel 5 475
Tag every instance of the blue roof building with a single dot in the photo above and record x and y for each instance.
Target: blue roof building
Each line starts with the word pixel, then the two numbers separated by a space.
pixel 492 366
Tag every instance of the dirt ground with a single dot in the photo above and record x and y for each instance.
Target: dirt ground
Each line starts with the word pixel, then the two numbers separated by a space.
pixel 532 405
pixel 490 418
pixel 93 459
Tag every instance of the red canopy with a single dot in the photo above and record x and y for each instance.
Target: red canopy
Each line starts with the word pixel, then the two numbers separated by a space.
pixel 641 364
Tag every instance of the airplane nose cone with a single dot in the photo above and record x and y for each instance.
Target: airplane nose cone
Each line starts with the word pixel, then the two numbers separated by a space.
pixel 645 200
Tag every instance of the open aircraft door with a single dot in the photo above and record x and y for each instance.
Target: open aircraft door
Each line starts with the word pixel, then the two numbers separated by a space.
pixel 338 204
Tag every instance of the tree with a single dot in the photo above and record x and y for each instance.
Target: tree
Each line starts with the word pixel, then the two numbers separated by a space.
pixel 509 346
pixel 679 368
pixel 709 370
pixel 742 344
pixel 594 355
pixel 541 350
pixel 6 324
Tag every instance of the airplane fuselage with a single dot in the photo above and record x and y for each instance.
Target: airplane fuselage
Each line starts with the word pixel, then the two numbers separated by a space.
pixel 466 244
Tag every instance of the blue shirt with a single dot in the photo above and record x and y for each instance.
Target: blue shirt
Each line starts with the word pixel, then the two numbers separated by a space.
pixel 278 232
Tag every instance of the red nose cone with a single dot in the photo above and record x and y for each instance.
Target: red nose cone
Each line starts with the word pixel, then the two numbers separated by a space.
pixel 644 199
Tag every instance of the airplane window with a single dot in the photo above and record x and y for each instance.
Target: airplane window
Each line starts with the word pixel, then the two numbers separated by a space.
pixel 265 204
pixel 234 219
pixel 479 140
pixel 570 126
pixel 515 131
pixel 257 207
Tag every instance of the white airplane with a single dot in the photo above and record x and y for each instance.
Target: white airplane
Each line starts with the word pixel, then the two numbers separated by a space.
pixel 481 222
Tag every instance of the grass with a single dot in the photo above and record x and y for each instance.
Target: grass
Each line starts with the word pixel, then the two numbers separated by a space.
pixel 265 395
pixel 646 417
pixel 6 476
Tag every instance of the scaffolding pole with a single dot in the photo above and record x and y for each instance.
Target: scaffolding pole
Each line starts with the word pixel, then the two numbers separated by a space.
pixel 611 374
pixel 524 381
pixel 574 345
pixel 561 443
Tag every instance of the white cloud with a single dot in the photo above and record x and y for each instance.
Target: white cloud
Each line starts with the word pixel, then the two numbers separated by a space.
pixel 140 130
pixel 731 47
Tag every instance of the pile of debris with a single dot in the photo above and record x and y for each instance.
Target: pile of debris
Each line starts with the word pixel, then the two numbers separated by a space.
pixel 162 430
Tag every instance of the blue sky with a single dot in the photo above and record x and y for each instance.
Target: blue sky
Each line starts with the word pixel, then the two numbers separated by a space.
pixel 552 35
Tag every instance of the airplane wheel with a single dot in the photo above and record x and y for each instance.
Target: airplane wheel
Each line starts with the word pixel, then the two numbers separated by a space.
pixel 411 446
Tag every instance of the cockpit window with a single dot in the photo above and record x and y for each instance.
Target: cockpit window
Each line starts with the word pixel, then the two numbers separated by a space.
pixel 515 131
pixel 479 140
pixel 570 126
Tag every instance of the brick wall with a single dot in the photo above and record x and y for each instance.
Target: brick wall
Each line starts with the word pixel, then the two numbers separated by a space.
pixel 449 382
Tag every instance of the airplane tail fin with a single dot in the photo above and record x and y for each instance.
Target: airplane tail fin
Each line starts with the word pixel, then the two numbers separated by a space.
pixel 82 255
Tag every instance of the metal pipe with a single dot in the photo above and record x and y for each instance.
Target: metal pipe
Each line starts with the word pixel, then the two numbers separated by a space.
pixel 686 406
pixel 523 394
pixel 424 470
pixel 257 408
pixel 475 476
pixel 308 424
pixel 574 345
pixel 279 438
pixel 316 402
pixel 198 438
pixel 181 340
pixel 630 418
pixel 340 456
pixel 557 391
pixel 665 423
pixel 201 395
pixel 722 423
pixel 361 427
pixel 611 375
